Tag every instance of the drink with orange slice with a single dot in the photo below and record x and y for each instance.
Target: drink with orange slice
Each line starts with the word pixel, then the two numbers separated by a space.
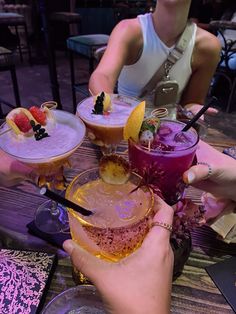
pixel 120 219
pixel 157 155
pixel 105 129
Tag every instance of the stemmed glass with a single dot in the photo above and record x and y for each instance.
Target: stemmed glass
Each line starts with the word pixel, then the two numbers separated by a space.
pixel 106 130
pixel 47 159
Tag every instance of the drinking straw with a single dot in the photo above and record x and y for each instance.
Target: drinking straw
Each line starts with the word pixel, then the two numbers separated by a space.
pixel 199 114
pixel 59 199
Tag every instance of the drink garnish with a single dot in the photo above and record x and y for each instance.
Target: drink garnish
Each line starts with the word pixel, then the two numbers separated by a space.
pixel 19 121
pixel 39 131
pixel 149 128
pixel 114 169
pixel 133 125
pixel 102 103
pixel 39 114
pixel 29 122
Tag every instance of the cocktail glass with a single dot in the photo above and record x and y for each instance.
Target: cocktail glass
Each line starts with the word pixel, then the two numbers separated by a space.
pixel 106 130
pixel 162 167
pixel 47 159
pixel 120 219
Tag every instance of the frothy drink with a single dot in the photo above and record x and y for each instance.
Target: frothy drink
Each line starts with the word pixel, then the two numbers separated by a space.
pixel 106 129
pixel 163 162
pixel 46 155
pixel 120 220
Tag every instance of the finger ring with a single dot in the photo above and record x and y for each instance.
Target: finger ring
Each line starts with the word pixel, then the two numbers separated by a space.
pixel 163 225
pixel 209 169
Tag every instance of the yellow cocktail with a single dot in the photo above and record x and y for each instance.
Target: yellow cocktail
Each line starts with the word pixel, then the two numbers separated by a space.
pixel 120 221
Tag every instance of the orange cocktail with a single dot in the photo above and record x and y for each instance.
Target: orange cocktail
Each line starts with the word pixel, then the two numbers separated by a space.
pixel 106 130
pixel 120 219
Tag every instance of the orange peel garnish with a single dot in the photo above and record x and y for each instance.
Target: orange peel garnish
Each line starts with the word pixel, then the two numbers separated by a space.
pixel 114 169
pixel 134 122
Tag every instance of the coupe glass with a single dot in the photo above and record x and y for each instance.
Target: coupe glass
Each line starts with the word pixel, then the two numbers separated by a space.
pixel 47 159
pixel 162 166
pixel 106 130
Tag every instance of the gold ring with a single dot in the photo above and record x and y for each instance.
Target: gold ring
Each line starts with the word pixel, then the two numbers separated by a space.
pixel 209 169
pixel 163 225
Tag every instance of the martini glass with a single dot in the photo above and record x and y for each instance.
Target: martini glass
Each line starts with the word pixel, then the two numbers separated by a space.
pixel 106 130
pixel 47 159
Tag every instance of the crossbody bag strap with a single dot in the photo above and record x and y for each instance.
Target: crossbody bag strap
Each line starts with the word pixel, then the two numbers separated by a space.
pixel 172 58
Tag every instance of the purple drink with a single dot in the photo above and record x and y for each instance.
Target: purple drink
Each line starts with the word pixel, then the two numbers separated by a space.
pixel 163 163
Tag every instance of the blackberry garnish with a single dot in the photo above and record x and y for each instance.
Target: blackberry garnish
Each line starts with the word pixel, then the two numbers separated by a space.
pixel 39 132
pixel 98 107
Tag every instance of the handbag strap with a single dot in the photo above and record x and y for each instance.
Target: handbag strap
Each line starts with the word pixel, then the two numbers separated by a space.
pixel 172 58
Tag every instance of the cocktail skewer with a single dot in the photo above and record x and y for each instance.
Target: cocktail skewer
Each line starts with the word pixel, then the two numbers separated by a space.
pixel 49 104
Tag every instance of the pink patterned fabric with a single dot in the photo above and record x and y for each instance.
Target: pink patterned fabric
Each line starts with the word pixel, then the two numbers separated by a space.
pixel 23 276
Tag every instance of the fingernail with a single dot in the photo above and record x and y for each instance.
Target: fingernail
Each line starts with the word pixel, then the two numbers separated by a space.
pixel 190 177
pixel 68 246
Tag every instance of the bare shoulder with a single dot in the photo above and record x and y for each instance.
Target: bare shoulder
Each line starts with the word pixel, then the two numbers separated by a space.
pixel 207 48
pixel 128 29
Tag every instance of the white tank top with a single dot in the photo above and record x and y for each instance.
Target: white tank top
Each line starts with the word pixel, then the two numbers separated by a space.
pixel 134 77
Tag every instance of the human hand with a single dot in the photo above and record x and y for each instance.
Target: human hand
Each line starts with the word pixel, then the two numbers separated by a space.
pixel 140 283
pixel 194 108
pixel 221 182
pixel 13 172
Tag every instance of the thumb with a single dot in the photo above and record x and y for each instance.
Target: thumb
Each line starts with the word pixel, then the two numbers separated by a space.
pixel 91 266
pixel 197 173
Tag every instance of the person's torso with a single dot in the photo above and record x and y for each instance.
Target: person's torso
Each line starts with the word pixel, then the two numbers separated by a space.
pixel 134 77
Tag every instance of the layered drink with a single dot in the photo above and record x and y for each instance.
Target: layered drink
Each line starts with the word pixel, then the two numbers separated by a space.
pixel 161 156
pixel 106 128
pixel 120 219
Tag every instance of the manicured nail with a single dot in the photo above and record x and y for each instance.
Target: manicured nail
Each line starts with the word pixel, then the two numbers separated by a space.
pixel 68 246
pixel 190 177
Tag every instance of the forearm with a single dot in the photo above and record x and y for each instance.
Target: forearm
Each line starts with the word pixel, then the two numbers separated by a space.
pixel 99 82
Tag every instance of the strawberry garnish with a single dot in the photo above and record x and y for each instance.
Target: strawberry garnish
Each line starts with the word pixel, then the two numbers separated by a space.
pixel 38 114
pixel 23 122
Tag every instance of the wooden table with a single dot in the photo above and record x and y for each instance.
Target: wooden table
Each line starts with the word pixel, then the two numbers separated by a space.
pixel 193 292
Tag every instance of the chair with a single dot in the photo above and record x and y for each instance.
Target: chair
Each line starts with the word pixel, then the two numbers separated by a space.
pixel 16 20
pixel 7 64
pixel 84 45
pixel 224 70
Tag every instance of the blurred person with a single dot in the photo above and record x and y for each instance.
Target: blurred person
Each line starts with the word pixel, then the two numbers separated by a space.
pixel 138 47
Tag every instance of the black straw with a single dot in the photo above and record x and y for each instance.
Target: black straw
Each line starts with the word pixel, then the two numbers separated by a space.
pixel 199 114
pixel 59 199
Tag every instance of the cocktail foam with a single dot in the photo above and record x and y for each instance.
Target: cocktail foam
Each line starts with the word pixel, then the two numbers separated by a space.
pixel 64 136
pixel 121 108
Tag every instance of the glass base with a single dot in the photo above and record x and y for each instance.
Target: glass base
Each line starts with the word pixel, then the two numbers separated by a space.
pixel 51 217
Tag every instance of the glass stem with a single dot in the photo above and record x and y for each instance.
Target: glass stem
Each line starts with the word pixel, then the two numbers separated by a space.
pixel 54 210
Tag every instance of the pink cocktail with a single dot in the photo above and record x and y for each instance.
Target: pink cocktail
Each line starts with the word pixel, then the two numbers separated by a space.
pixel 163 163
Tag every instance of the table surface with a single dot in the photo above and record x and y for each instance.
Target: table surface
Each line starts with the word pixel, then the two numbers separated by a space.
pixel 193 291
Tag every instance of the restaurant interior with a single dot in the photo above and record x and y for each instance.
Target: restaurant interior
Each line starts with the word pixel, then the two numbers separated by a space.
pixel 48 51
